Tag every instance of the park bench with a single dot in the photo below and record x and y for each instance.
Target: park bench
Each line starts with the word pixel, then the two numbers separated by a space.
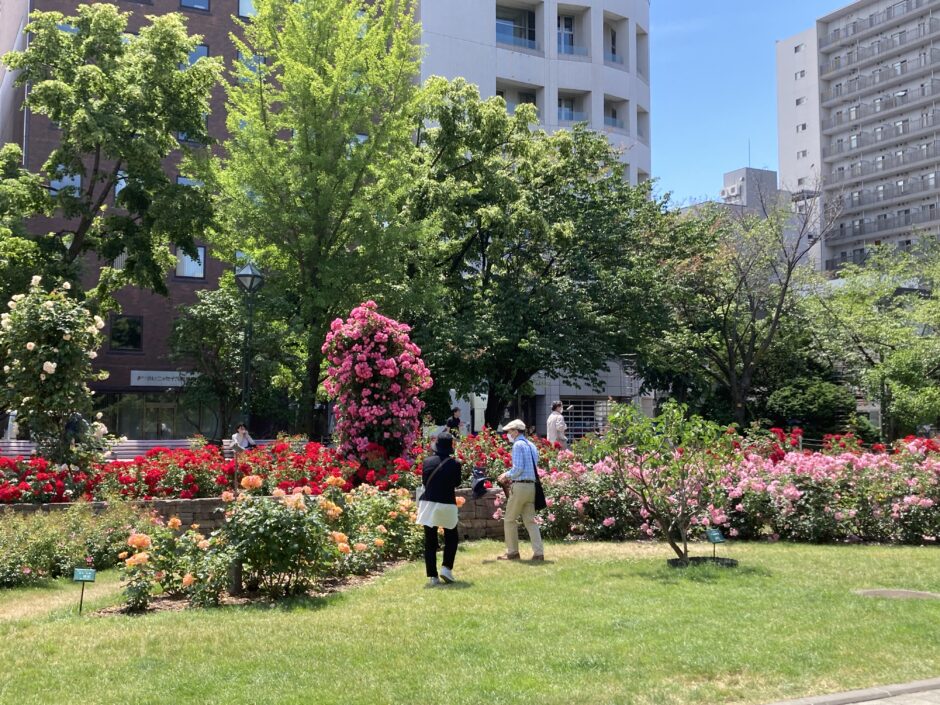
pixel 125 450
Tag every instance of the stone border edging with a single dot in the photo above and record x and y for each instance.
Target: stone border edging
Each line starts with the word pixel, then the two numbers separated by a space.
pixel 867 694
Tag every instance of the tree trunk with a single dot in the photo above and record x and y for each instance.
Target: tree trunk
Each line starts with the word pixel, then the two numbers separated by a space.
pixel 310 384
pixel 495 407
pixel 739 409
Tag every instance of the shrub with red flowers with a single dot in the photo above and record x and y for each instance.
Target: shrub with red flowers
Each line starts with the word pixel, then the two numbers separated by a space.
pixel 375 376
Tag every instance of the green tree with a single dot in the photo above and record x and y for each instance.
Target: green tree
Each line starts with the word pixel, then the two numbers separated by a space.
pixel 545 254
pixel 209 337
pixel 21 196
pixel 729 301
pixel 818 406
pixel 321 112
pixel 880 321
pixel 120 102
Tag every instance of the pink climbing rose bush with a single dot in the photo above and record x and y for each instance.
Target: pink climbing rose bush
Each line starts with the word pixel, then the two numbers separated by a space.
pixel 375 376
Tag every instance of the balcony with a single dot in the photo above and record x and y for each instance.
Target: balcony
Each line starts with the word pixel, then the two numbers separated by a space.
pixel 890 194
pixel 837 263
pixel 864 83
pixel 614 123
pixel 889 133
pixel 615 59
pixel 892 14
pixel 513 38
pixel 908 157
pixel 861 55
pixel 566 116
pixel 877 108
pixel 566 48
pixel 884 224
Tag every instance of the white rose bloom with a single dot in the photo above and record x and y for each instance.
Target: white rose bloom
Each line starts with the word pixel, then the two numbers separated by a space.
pixel 48 304
pixel 91 330
pixel 99 323
pixel 35 280
pixel 30 346
pixel 11 304
pixel 49 367
pixel 6 369
pixel 18 297
pixel 92 355
pixel 42 377
pixel 66 286
pixel 99 416
pixel 5 324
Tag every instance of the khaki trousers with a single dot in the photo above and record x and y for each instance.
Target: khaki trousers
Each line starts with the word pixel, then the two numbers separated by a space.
pixel 522 503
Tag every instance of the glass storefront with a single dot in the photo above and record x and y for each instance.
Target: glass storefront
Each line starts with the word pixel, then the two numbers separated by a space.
pixel 156 416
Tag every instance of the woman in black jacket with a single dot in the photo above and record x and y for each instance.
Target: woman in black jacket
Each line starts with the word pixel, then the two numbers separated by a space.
pixel 437 506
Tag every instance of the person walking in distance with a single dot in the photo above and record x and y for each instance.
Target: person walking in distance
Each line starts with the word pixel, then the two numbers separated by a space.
pixel 556 426
pixel 525 458
pixel 437 506
pixel 454 425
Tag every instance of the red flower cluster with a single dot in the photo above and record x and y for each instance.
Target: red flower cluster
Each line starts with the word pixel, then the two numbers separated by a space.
pixel 164 473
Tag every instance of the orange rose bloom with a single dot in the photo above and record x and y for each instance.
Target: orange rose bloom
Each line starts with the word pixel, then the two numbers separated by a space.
pixel 379 542
pixel 139 541
pixel 174 523
pixel 228 496
pixel 137 559
pixel 461 501
pixel 252 482
pixel 343 547
pixel 360 546
pixel 188 580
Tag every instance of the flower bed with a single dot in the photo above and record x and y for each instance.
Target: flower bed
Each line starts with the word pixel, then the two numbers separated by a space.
pixel 163 473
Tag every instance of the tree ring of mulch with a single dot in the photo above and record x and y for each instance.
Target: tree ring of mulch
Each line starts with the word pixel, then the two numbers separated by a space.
pixel 702 560
pixel 894 594
pixel 325 588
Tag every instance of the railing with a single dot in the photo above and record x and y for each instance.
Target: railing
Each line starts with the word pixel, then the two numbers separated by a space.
pixel 507 36
pixel 613 122
pixel 890 103
pixel 571 49
pixel 908 156
pixel 891 14
pixel 511 107
pixel 884 75
pixel 880 225
pixel 873 197
pixel 837 263
pixel 888 133
pixel 883 46
pixel 565 115
pixel 613 58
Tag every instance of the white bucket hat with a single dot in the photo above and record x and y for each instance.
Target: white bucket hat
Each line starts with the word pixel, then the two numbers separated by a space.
pixel 514 425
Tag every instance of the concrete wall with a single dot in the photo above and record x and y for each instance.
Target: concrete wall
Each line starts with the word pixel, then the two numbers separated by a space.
pixel 13 16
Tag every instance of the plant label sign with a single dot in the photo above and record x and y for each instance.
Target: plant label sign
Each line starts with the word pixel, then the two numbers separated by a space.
pixel 83 575
pixel 714 535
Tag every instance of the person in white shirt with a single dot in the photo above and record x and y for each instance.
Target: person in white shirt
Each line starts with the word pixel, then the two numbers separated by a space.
pixel 241 440
pixel 557 426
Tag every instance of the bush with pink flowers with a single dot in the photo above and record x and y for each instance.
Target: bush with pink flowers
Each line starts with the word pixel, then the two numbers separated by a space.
pixel 375 376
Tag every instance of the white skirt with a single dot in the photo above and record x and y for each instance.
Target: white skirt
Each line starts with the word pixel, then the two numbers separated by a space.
pixel 437 514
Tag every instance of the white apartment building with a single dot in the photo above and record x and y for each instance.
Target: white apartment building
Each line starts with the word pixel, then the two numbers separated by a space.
pixel 858 124
pixel 585 61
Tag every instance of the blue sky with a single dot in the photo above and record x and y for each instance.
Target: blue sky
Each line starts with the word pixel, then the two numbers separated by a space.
pixel 713 86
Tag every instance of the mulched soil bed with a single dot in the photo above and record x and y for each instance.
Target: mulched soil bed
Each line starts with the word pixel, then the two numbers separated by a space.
pixel 327 587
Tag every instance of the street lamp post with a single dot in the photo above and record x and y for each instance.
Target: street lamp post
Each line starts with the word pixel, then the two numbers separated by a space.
pixel 250 280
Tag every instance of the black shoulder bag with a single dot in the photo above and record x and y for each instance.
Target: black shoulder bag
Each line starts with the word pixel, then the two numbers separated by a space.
pixel 540 501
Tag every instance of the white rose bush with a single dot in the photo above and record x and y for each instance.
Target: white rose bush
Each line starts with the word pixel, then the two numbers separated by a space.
pixel 47 344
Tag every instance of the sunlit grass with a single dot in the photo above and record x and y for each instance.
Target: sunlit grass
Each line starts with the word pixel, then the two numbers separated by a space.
pixel 596 623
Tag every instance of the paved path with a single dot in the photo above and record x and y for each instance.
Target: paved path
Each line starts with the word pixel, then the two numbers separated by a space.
pixel 916 693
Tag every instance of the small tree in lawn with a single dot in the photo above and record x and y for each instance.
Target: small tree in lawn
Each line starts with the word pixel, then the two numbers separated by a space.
pixel 47 344
pixel 672 464
pixel 376 375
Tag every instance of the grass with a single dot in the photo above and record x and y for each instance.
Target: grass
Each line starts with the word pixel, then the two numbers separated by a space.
pixel 596 623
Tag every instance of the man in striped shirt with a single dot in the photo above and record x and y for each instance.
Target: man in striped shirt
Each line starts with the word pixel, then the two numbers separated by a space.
pixel 525 458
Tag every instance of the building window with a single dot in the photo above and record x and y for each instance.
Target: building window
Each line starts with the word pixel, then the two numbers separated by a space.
pixel 200 52
pixel 565 34
pixel 801 181
pixel 798 48
pixel 73 182
pixel 613 42
pixel 189 268
pixel 195 4
pixel 800 101
pixel 186 181
pixel 246 8
pixel 127 333
pixel 801 154
pixel 799 74
pixel 516 27
pixel 801 127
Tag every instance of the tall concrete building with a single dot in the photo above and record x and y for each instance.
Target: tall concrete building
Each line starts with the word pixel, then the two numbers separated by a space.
pixel 585 61
pixel 858 124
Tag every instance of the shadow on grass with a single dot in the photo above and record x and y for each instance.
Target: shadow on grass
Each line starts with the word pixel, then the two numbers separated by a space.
pixel 659 572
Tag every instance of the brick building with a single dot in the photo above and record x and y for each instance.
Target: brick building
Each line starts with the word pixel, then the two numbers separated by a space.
pixel 140 397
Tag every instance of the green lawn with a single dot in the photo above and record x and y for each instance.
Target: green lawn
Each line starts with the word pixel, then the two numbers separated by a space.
pixel 597 623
